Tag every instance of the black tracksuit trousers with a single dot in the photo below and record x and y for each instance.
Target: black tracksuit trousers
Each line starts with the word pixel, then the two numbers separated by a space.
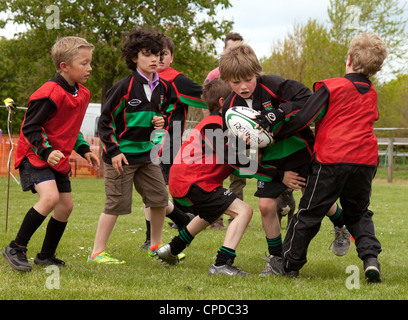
pixel 326 184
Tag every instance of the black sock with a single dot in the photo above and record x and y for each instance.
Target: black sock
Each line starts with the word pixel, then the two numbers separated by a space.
pixel 180 242
pixel 225 254
pixel 337 218
pixel 275 246
pixel 179 218
pixel 147 230
pixel 55 230
pixel 30 224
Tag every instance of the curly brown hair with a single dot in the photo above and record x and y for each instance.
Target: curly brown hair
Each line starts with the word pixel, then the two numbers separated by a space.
pixel 138 40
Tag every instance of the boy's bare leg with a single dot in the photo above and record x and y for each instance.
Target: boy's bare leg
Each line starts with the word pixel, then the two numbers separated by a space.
pixel 49 197
pixel 270 220
pixel 197 225
pixel 241 213
pixel 157 215
pixel 64 207
pixel 105 227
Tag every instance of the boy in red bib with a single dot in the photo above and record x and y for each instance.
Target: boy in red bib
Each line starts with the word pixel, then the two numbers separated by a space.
pixel 196 178
pixel 49 133
pixel 345 158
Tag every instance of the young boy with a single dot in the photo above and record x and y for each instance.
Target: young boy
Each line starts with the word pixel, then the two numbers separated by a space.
pixel 237 184
pixel 196 179
pixel 185 93
pixel 270 93
pixel 49 133
pixel 133 108
pixel 345 158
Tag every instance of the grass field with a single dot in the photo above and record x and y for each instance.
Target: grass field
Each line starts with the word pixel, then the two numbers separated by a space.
pixel 324 277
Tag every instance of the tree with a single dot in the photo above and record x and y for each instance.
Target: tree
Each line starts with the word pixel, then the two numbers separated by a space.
pixel 382 17
pixel 393 103
pixel 305 55
pixel 103 23
pixel 314 51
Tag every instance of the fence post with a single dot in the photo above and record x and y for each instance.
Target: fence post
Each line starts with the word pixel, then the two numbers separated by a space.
pixel 390 156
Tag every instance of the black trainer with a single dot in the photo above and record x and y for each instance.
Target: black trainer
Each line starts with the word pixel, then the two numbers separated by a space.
pixel 277 267
pixel 372 270
pixel 16 257
pixel 48 261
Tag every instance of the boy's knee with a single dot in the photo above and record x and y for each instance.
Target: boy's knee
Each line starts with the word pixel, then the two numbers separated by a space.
pixel 267 206
pixel 247 211
pixel 50 199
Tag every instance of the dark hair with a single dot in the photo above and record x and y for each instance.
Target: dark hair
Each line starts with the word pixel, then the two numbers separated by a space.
pixel 234 36
pixel 141 39
pixel 213 91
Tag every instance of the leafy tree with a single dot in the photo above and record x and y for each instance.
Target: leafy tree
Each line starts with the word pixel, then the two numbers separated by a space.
pixel 191 24
pixel 393 103
pixel 382 17
pixel 305 55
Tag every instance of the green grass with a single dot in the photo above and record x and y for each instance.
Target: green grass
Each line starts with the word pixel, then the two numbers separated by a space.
pixel 323 277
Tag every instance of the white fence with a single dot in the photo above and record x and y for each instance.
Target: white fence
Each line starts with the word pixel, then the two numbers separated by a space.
pixel 392 152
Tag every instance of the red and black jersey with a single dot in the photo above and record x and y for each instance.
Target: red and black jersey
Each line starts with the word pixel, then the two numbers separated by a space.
pixel 52 122
pixel 205 159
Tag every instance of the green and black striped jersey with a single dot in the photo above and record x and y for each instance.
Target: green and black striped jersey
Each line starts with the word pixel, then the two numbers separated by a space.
pixel 125 125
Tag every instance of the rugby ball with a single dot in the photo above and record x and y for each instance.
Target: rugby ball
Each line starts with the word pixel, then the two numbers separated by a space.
pixel 239 121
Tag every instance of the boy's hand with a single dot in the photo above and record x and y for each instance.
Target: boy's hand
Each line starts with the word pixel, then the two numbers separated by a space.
pixel 293 180
pixel 158 122
pixel 117 162
pixel 92 160
pixel 267 120
pixel 55 157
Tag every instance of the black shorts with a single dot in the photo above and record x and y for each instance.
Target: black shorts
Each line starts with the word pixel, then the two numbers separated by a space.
pixel 208 205
pixel 30 176
pixel 274 189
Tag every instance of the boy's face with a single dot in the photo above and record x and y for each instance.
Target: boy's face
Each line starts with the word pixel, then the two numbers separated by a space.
pixel 244 88
pixel 167 60
pixel 80 68
pixel 147 63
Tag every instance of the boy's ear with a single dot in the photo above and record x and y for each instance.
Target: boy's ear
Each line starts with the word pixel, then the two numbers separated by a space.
pixel 348 62
pixel 221 101
pixel 64 66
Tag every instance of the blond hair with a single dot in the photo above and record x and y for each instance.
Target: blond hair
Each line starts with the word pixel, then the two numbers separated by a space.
pixel 239 63
pixel 367 53
pixel 66 50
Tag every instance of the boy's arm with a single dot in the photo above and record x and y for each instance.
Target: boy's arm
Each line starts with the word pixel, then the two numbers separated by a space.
pixel 33 130
pixel 164 106
pixel 81 146
pixel 313 110
pixel 292 95
pixel 106 123
pixel 83 149
pixel 189 92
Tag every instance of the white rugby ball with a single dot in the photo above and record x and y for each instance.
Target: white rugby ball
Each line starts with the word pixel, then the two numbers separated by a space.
pixel 239 121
